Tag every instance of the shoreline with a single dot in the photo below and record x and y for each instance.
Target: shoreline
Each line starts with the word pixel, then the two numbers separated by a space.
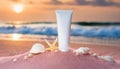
pixel 73 39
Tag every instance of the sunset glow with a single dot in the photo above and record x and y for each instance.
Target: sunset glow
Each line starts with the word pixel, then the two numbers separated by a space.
pixel 18 8
pixel 43 10
pixel 16 36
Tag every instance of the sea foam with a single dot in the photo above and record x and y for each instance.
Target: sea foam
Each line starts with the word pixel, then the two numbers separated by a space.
pixel 110 32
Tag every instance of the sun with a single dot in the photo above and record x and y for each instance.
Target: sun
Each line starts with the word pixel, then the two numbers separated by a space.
pixel 18 8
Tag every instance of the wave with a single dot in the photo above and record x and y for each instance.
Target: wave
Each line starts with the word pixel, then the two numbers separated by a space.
pixel 111 32
pixel 101 32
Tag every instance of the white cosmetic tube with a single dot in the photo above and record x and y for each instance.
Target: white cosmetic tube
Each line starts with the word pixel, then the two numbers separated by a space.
pixel 64 18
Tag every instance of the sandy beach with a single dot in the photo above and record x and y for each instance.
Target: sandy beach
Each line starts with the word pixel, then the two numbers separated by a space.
pixel 10 49
pixel 16 47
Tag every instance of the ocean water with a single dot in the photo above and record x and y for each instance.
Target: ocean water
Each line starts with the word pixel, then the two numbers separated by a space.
pixel 50 29
pixel 81 32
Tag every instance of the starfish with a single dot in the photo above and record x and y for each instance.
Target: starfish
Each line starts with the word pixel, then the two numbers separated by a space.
pixel 52 46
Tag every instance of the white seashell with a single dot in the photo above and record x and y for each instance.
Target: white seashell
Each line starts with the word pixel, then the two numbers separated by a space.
pixel 107 58
pixel 95 54
pixel 30 55
pixel 25 57
pixel 37 48
pixel 82 50
pixel 15 60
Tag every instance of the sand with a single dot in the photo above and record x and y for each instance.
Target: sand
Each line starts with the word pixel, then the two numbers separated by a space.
pixel 10 49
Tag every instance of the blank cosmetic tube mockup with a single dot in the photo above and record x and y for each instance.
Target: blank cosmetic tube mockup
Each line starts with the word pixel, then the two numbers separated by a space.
pixel 64 18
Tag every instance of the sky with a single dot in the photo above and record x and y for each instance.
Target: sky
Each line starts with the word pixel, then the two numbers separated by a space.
pixel 44 10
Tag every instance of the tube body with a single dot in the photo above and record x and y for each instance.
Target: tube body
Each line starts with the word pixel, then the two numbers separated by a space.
pixel 64 18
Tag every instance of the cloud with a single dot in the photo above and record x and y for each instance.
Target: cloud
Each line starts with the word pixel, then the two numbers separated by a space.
pixel 56 2
pixel 16 0
pixel 23 1
pixel 104 3
pixel 73 2
pixel 94 2
pixel 86 2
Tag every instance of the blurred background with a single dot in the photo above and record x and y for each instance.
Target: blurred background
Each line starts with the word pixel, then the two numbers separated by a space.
pixel 93 21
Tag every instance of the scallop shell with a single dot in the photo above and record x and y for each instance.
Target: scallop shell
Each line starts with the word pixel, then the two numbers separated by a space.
pixel 37 48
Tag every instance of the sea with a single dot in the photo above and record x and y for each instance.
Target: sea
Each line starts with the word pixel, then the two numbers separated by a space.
pixel 103 33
